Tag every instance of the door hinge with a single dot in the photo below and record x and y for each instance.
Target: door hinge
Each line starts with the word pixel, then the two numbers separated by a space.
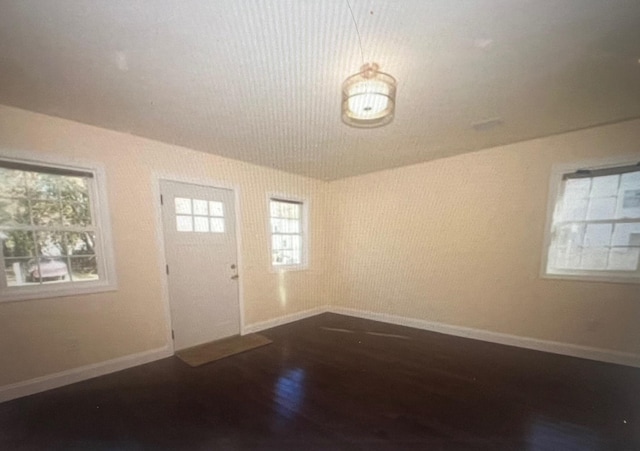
pixel 167 269
pixel 161 200
pixel 173 335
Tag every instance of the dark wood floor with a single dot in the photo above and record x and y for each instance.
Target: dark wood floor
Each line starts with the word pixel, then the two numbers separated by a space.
pixel 334 382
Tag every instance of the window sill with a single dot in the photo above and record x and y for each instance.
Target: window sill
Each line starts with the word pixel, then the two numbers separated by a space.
pixel 52 291
pixel 289 268
pixel 594 278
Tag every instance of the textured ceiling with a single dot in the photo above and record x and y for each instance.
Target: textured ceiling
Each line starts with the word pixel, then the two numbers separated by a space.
pixel 259 81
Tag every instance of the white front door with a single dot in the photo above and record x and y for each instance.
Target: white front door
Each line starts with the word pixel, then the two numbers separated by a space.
pixel 200 246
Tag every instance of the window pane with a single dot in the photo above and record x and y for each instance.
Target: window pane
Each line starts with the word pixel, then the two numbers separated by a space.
pixel 42 186
pixel 605 186
pixel 183 206
pixel 595 258
pixel 80 243
pixel 630 179
pixel 84 269
pixel 285 210
pixel 629 203
pixel 37 210
pixel 184 223
pixel 18 243
pixel 201 224
pixel 45 213
pixel 75 214
pixel 217 225
pixel 50 244
pixel 48 270
pixel 12 183
pixel 598 235
pixel 216 209
pixel 284 225
pixel 277 226
pixel 629 196
pixel 289 258
pixel 282 242
pixel 570 236
pixel 293 226
pixel 200 207
pixel 286 243
pixel 565 258
pixel 284 257
pixel 566 252
pixel 631 199
pixel 276 242
pixel 296 243
pixel 624 259
pixel 588 235
pixel 73 189
pixel 602 208
pixel 275 209
pixel 626 234
pixel 577 188
pixel 14 212
pixel 16 271
pixel 574 209
pixel 289 210
pixel 296 211
pixel 277 257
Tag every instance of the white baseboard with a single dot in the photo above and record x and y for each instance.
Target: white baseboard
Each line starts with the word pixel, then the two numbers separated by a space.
pixel 573 350
pixel 50 381
pixel 279 321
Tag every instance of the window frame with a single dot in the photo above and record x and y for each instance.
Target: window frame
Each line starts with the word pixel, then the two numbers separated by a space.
pixel 98 202
pixel 304 224
pixel 558 171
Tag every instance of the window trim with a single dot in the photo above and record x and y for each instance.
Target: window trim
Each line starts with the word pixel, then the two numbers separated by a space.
pixel 305 207
pixel 558 171
pixel 100 214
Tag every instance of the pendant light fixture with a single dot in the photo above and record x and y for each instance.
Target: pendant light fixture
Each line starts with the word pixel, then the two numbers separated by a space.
pixel 368 97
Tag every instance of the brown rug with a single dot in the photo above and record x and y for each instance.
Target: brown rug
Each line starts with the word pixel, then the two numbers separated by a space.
pixel 216 350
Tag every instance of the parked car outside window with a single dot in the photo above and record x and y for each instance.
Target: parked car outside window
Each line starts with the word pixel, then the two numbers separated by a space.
pixel 49 269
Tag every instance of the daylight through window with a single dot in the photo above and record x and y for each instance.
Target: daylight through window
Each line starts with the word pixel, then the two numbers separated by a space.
pixel 47 227
pixel 286 232
pixel 596 224
pixel 198 215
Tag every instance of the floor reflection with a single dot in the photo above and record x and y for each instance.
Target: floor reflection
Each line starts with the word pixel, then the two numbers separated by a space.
pixel 546 435
pixel 289 394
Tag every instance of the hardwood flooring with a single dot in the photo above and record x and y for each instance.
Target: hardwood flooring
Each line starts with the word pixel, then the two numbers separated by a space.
pixel 339 383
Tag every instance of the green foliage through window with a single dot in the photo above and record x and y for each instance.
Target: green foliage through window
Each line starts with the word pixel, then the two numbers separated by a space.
pixel 46 228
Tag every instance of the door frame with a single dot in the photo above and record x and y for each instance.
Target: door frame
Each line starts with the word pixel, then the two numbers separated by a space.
pixel 157 177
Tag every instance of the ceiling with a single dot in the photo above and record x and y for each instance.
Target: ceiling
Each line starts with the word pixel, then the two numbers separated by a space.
pixel 260 80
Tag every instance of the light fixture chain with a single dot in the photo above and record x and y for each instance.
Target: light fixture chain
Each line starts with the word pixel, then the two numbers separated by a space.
pixel 355 23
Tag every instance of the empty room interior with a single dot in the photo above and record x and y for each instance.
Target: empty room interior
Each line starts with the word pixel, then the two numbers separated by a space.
pixel 292 224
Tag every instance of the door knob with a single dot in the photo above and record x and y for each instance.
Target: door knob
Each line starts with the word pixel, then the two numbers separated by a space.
pixel 234 277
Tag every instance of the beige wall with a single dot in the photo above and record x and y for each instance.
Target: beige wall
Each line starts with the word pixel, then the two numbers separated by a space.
pixel 456 241
pixel 459 241
pixel 46 336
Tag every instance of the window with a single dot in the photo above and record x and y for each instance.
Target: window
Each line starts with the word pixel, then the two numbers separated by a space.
pixel 287 233
pixel 51 232
pixel 595 227
pixel 198 215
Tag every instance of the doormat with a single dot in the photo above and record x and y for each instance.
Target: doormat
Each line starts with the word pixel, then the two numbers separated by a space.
pixel 216 350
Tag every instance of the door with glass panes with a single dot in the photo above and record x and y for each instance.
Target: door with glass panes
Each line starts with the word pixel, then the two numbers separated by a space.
pixel 200 247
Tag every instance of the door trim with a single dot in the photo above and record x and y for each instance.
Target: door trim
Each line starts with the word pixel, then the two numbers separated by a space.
pixel 157 177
